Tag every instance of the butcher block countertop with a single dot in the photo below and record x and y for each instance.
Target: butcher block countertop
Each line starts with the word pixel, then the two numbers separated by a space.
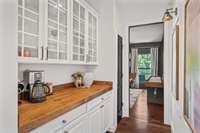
pixel 65 98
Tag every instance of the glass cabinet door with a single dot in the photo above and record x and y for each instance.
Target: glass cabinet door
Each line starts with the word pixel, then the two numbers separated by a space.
pixel 28 28
pixel 57 40
pixel 92 39
pixel 79 28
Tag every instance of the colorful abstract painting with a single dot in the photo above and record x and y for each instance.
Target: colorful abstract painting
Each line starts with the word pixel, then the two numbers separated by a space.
pixel 192 65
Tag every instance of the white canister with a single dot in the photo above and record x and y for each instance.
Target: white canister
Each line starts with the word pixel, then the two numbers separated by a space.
pixel 88 79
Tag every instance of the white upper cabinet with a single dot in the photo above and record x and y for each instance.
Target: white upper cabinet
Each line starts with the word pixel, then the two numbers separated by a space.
pixel 79 32
pixel 29 28
pixel 57 31
pixel 92 39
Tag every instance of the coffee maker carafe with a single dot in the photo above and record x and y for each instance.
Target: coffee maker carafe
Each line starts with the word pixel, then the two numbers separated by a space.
pixel 39 92
pixel 36 89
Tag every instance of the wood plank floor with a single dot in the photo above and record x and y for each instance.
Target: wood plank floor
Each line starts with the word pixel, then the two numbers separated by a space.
pixel 144 118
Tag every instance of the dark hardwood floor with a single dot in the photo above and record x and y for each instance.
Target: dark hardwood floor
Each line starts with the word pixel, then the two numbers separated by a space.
pixel 144 118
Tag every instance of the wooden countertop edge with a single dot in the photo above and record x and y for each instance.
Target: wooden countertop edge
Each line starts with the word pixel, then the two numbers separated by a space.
pixel 40 122
pixel 71 84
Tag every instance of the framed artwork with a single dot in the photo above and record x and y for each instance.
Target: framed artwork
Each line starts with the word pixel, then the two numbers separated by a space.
pixel 192 65
pixel 175 64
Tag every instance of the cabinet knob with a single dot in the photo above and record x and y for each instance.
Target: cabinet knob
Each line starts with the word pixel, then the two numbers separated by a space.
pixel 102 106
pixel 64 121
pixel 102 99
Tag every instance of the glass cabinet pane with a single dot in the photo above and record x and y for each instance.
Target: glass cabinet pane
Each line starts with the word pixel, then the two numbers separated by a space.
pixel 32 5
pixel 52 34
pixel 30 52
pixel 76 8
pixel 20 2
pixel 79 31
pixel 82 27
pixel 30 40
pixel 52 45
pixel 82 12
pixel 57 29
pixel 52 55
pixel 64 4
pixel 63 18
pixel 28 28
pixel 92 39
pixel 32 16
pixel 31 27
pixel 52 12
pixel 20 23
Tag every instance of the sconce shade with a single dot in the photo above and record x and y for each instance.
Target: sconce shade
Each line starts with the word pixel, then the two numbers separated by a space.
pixel 167 16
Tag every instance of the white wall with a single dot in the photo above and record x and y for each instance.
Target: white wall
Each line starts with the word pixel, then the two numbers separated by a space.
pixel 178 123
pixel 134 14
pixel 8 66
pixel 58 74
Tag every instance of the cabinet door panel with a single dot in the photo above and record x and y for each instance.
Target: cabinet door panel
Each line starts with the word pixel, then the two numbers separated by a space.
pixel 107 114
pixel 79 28
pixel 95 121
pixel 58 25
pixel 92 39
pixel 29 28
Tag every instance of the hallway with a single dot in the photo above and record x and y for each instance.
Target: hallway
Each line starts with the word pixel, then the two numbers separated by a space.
pixel 144 118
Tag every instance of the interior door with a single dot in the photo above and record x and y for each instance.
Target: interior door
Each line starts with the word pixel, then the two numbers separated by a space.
pixel 120 77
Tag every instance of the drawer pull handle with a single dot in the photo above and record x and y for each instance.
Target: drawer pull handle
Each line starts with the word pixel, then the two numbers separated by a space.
pixel 64 121
pixel 102 99
pixel 42 49
pixel 65 131
pixel 102 106
pixel 47 53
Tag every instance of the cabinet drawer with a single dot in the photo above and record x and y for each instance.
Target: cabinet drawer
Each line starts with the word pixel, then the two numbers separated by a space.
pixel 76 113
pixel 106 95
pixel 94 103
pixel 61 121
pixel 98 100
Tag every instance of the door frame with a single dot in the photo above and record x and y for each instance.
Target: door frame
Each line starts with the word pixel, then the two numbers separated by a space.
pixel 118 57
pixel 126 78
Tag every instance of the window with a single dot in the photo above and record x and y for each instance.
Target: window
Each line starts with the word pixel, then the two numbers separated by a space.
pixel 144 65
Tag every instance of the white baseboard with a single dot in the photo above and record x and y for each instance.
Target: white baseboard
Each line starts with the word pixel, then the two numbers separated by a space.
pixel 172 128
pixel 112 129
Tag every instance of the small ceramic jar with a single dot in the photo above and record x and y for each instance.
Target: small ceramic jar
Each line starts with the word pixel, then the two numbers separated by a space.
pixel 88 79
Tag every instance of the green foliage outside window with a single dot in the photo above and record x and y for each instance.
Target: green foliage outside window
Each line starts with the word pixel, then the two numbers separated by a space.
pixel 144 65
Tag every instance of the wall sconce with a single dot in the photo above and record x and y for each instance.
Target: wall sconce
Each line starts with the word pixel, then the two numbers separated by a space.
pixel 167 15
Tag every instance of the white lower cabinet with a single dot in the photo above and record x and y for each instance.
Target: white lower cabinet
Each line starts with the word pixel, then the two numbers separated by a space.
pixel 107 114
pixel 95 120
pixel 77 126
pixel 93 117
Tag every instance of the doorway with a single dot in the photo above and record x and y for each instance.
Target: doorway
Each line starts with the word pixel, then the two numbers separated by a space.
pixel 119 77
pixel 146 66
